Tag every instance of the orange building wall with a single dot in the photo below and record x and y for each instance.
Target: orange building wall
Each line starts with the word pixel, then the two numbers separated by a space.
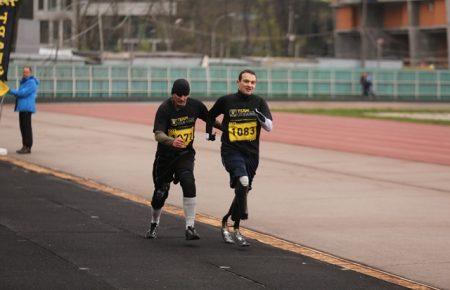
pixel 435 16
pixel 395 16
pixel 345 18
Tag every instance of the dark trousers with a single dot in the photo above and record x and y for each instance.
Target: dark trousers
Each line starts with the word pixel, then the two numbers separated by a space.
pixel 25 129
pixel 176 168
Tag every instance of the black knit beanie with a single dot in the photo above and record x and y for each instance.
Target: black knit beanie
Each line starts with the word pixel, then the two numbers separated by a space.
pixel 181 87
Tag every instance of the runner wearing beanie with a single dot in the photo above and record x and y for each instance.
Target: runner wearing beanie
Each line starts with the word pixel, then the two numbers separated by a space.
pixel 244 114
pixel 174 128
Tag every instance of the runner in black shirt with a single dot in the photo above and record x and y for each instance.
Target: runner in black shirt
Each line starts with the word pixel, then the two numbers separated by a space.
pixel 243 116
pixel 174 128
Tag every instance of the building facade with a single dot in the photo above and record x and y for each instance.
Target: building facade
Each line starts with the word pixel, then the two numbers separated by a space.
pixel 415 31
pixel 55 19
pixel 98 24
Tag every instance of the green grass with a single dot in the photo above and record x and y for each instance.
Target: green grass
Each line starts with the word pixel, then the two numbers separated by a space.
pixel 366 113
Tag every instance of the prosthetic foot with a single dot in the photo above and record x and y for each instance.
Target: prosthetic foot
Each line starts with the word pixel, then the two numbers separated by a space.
pixel 151 233
pixel 226 235
pixel 239 239
pixel 191 234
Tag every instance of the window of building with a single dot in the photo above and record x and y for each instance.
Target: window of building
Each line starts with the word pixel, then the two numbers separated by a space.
pixel 26 11
pixel 431 6
pixel 41 5
pixel 55 30
pixel 67 30
pixel 67 4
pixel 43 26
pixel 52 4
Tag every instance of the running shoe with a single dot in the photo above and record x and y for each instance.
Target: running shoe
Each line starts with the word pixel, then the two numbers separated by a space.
pixel 226 235
pixel 191 234
pixel 240 240
pixel 151 233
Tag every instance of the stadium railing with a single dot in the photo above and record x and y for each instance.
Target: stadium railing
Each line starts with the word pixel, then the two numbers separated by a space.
pixel 62 82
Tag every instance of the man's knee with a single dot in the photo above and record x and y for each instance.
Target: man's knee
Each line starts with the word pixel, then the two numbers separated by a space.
pixel 244 181
pixel 160 195
pixel 187 182
pixel 242 185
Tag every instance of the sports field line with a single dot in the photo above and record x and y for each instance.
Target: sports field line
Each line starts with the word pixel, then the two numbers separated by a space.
pixel 216 222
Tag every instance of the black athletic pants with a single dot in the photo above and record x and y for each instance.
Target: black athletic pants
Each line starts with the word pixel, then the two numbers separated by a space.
pixel 25 129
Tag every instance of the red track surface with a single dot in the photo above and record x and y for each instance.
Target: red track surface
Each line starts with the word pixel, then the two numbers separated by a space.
pixel 417 142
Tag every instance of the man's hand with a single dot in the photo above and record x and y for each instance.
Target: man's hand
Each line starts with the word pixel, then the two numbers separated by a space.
pixel 260 116
pixel 178 143
pixel 210 137
pixel 265 122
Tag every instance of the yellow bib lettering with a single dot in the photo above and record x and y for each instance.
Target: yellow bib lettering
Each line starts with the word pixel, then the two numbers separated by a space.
pixel 186 134
pixel 242 131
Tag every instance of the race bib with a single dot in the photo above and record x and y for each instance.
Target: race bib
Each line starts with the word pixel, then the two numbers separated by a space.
pixel 186 134
pixel 242 131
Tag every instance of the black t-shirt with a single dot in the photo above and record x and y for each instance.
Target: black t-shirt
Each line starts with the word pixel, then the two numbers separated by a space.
pixel 240 126
pixel 178 123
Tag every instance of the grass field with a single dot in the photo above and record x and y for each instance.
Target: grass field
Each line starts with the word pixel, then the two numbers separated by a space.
pixel 426 116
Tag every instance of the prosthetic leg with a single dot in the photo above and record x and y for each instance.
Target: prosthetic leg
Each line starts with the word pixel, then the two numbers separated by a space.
pixel 238 211
pixel 226 235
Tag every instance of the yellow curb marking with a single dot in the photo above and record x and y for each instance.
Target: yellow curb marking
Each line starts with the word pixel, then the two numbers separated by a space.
pixel 213 221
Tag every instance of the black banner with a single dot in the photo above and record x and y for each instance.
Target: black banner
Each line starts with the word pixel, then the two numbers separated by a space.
pixel 8 14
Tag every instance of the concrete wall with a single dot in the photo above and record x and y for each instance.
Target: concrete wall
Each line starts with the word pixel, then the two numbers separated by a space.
pixel 27 36
pixel 347 45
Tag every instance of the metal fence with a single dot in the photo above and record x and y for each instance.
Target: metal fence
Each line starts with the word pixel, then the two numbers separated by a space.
pixel 109 82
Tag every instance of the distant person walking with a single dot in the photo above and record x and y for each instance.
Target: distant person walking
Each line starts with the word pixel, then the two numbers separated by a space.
pixel 364 85
pixel 367 86
pixel 371 93
pixel 26 106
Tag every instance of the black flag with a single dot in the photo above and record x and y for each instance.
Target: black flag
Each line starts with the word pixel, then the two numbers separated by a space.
pixel 8 14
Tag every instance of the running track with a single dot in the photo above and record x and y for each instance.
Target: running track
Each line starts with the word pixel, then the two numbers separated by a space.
pixel 408 141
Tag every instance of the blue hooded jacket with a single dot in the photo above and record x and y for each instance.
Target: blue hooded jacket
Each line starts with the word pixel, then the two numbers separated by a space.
pixel 26 95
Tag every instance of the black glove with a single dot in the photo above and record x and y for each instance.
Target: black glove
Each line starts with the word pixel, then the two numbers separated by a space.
pixel 260 116
pixel 210 137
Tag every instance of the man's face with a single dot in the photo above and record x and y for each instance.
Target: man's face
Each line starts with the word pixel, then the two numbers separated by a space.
pixel 179 101
pixel 247 83
pixel 26 72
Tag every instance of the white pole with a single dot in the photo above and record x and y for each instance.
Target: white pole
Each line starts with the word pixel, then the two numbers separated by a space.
pixel 3 151
pixel 447 9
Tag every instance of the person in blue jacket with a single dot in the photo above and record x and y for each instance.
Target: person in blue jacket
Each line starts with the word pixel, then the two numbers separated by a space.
pixel 26 106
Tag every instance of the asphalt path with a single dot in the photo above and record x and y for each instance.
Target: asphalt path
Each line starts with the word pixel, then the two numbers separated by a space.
pixel 55 234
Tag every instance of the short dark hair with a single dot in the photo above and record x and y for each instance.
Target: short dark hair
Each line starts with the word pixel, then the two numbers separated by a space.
pixel 248 71
pixel 28 67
